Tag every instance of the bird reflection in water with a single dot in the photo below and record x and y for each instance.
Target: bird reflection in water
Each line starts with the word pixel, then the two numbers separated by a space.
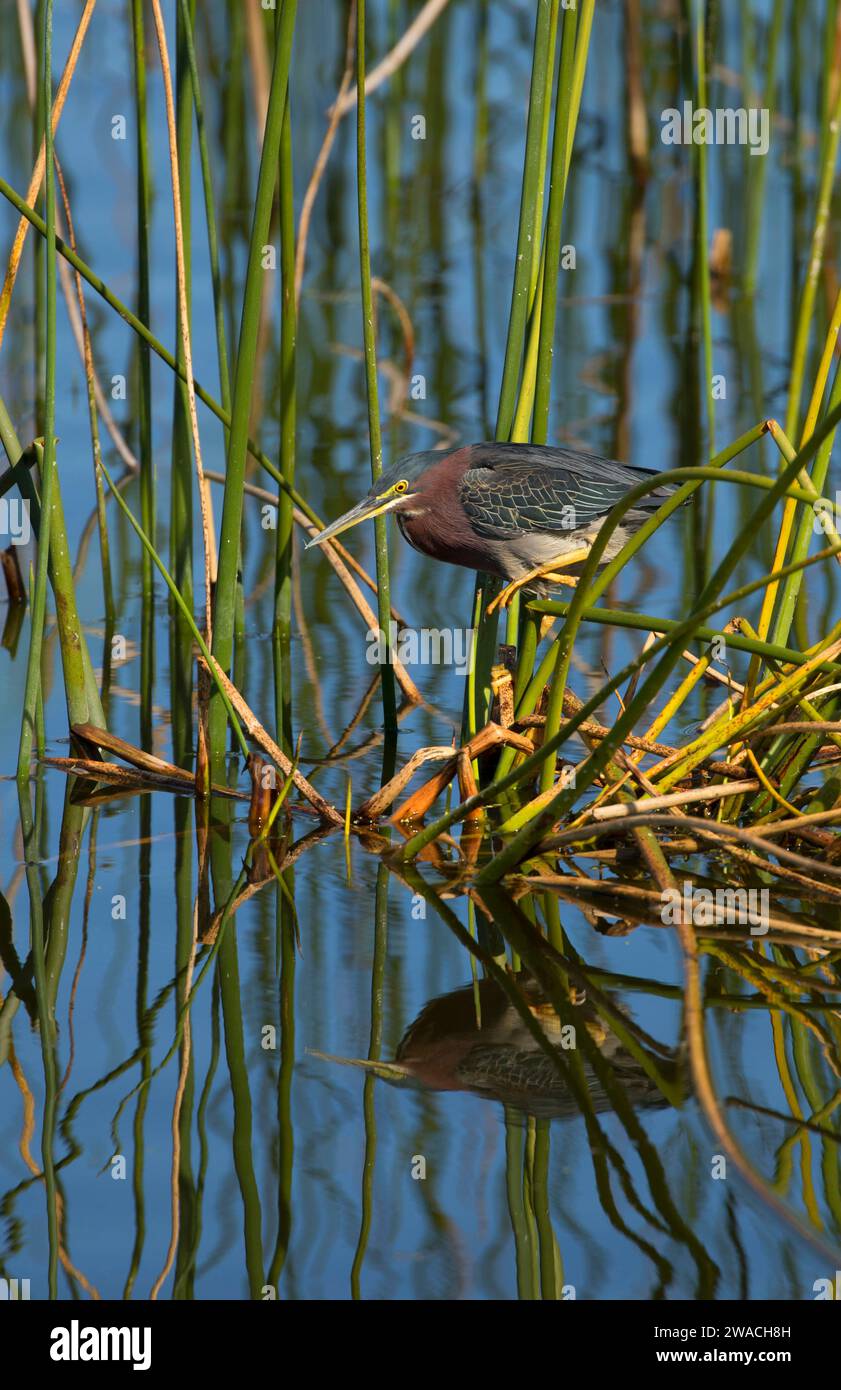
pixel 476 1039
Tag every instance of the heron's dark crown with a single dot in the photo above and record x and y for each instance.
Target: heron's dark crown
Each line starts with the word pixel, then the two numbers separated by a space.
pixel 411 468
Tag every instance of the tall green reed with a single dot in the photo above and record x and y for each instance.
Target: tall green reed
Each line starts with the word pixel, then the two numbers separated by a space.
pixel 181 472
pixel 33 675
pixel 387 682
pixel 39 598
pixel 285 521
pixel 478 692
pixel 143 387
pixel 231 524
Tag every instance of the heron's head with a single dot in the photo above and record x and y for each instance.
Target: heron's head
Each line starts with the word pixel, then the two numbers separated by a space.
pixel 402 489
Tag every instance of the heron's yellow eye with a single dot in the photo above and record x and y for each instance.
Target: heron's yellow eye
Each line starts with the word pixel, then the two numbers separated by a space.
pixel 401 486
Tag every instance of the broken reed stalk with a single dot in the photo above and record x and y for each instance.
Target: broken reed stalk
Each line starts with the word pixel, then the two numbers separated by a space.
pixel 129 780
pixel 268 744
pixel 421 800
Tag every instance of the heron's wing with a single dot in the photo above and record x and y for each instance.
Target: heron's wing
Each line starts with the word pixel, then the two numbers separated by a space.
pixel 503 457
pixel 529 496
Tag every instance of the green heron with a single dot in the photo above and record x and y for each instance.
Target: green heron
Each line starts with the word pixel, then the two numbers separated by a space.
pixel 519 511
pixel 445 1049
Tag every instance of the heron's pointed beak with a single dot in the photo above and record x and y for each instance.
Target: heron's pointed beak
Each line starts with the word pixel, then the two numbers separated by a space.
pixel 363 511
pixel 388 1071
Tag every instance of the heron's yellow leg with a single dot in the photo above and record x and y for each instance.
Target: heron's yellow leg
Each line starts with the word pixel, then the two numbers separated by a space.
pixel 547 572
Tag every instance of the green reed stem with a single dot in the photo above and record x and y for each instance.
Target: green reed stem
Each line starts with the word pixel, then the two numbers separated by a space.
pixel 229 543
pixel 647 622
pixel 38 258
pixel 46 1030
pixel 143 393
pixel 806 525
pixel 536 247
pixel 143 194
pixel 33 677
pixel 188 24
pixel 39 601
pixel 527 229
pixel 567 105
pixel 387 682
pixel 375 1043
pixel 285 520
pixel 101 519
pixel 285 1115
pixel 242 1137
pixel 181 471
pixel 183 815
pixel 565 122
pixel 814 264
pixel 514 1186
